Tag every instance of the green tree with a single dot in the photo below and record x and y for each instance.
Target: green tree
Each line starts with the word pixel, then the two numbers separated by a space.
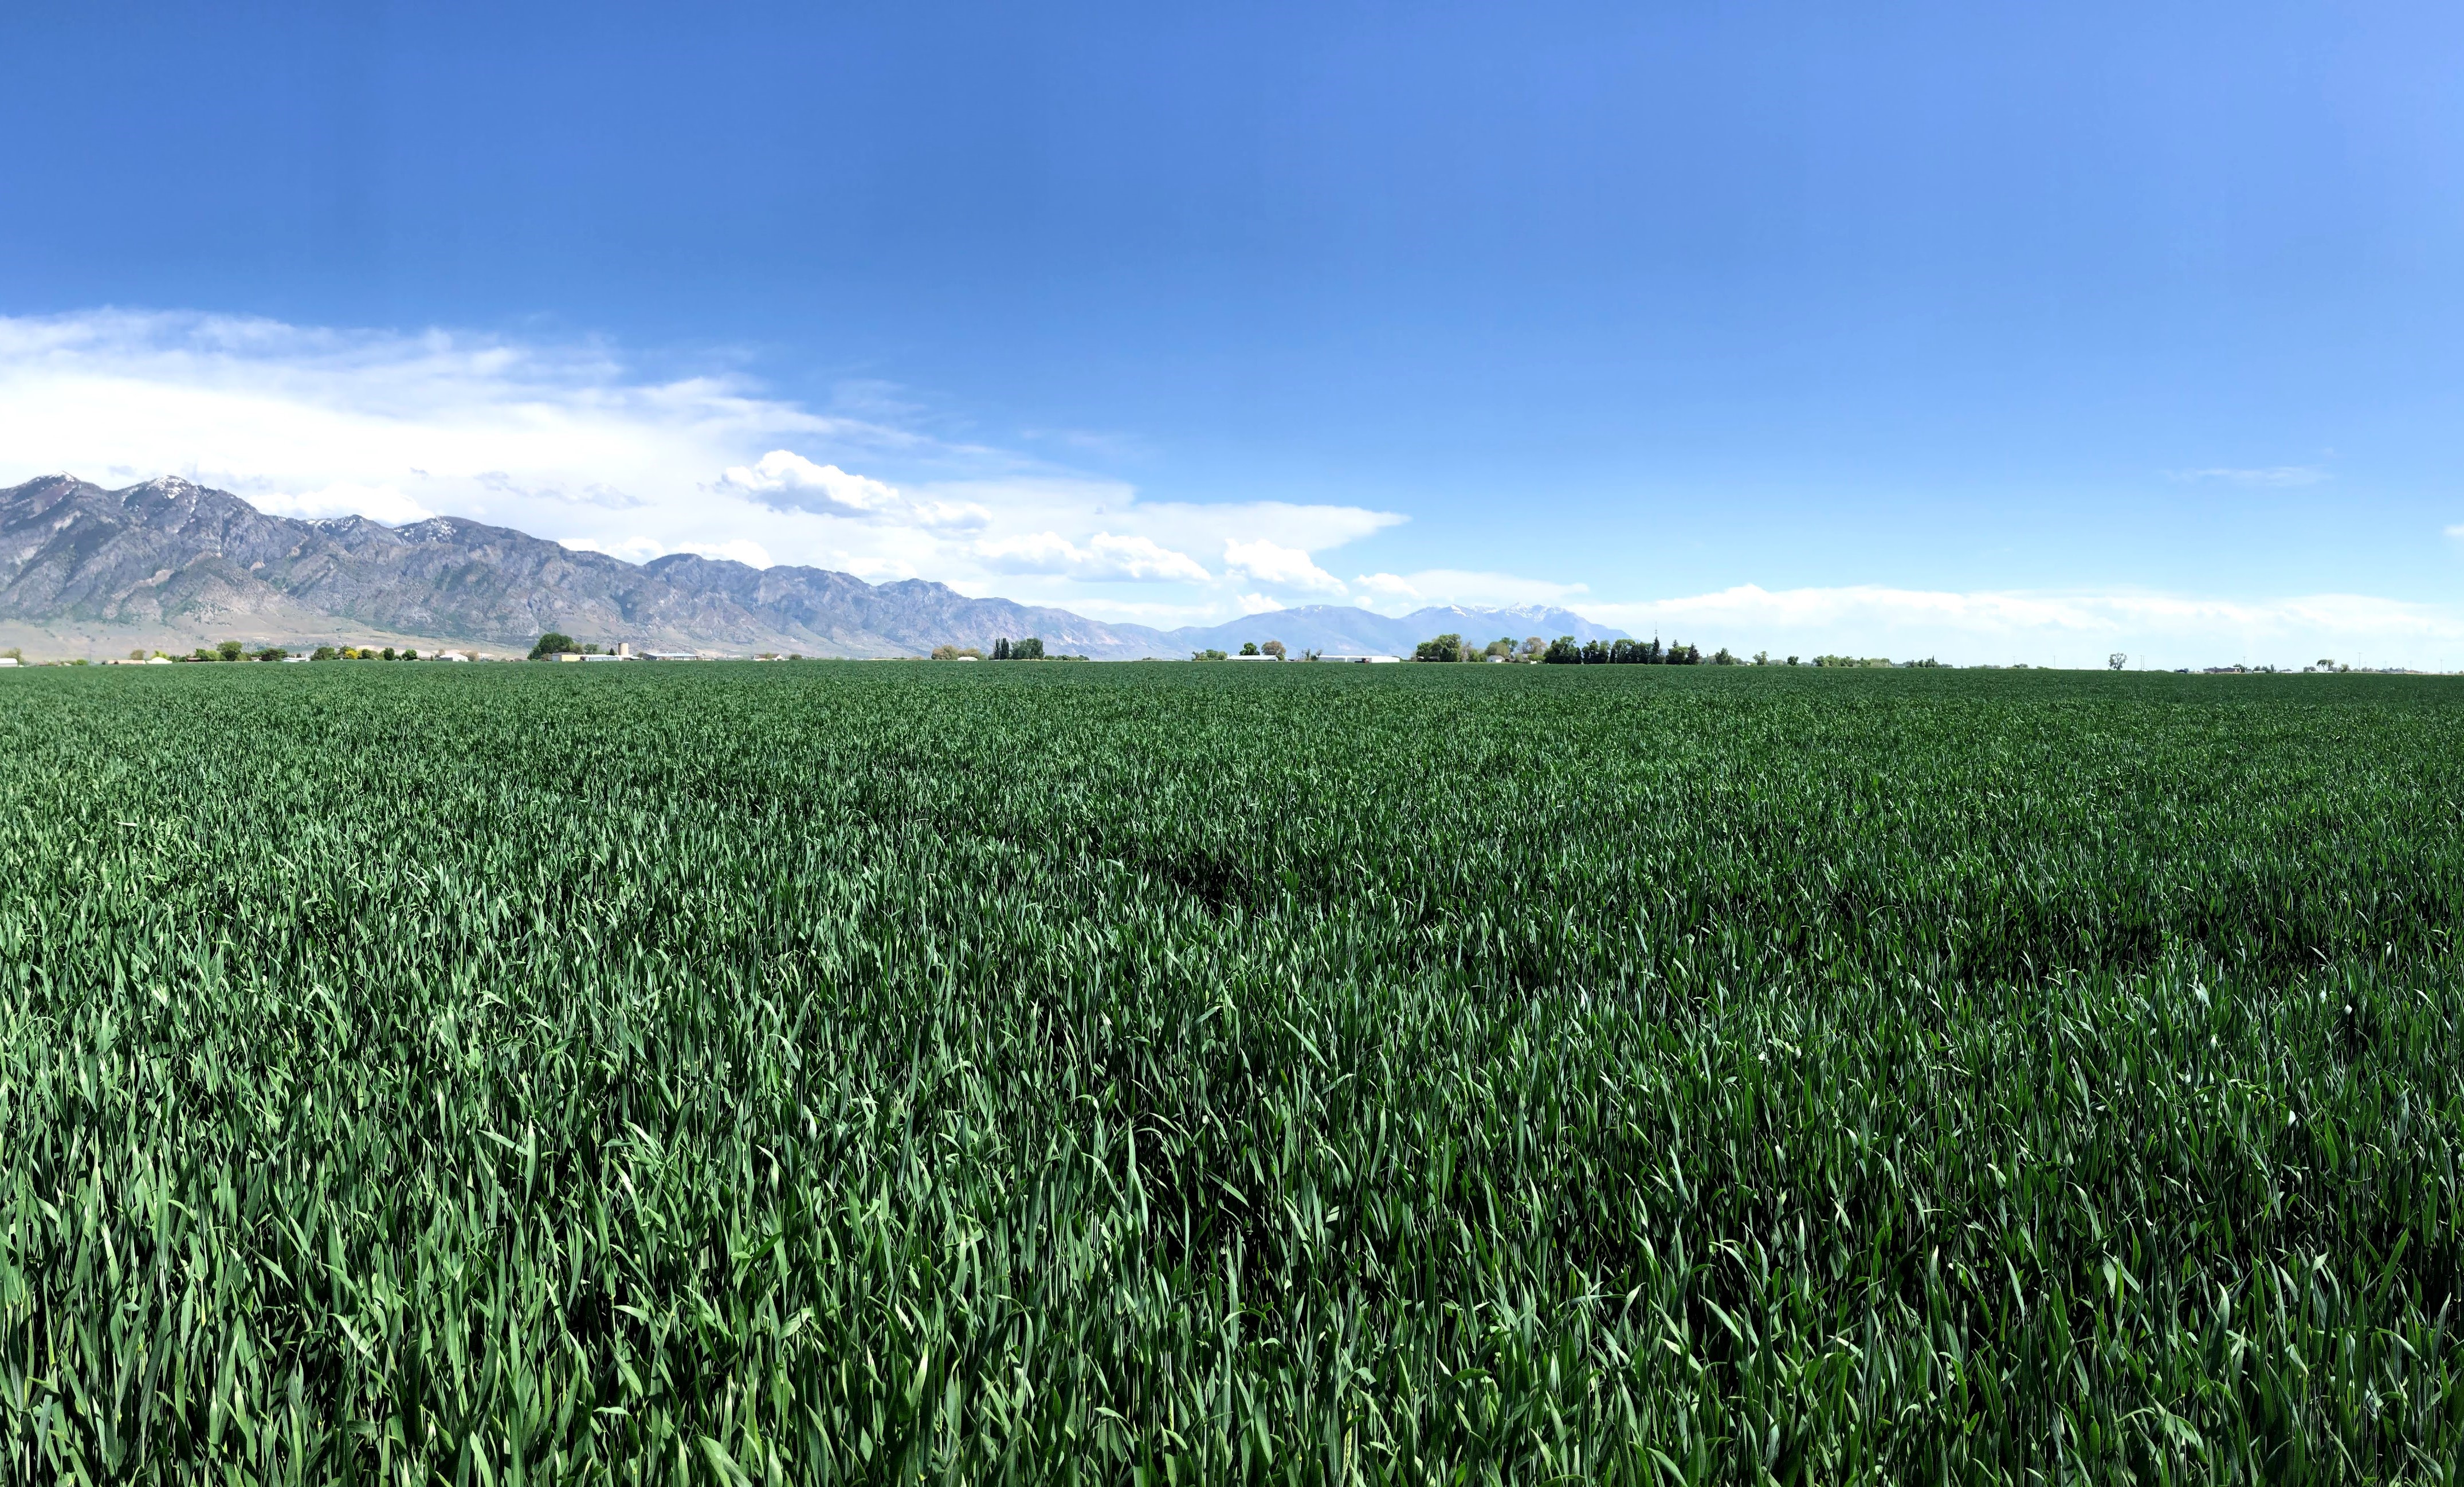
pixel 1248 647
pixel 321 653
pixel 553 642
pixel 1206 655
pixel 1564 650
pixel 231 650
pixel 1445 648
pixel 1274 648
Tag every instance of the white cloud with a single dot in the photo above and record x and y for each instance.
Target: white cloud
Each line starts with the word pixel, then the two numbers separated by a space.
pixel 2261 475
pixel 1273 566
pixel 567 442
pixel 385 503
pixel 1397 593
pixel 787 481
pixel 1106 556
pixel 2073 628
pixel 633 550
pixel 744 550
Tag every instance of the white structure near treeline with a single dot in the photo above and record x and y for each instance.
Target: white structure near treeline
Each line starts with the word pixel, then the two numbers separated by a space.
pixel 1364 659
pixel 1253 658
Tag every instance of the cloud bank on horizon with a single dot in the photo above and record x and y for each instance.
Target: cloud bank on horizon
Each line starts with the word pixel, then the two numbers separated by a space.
pixel 567 441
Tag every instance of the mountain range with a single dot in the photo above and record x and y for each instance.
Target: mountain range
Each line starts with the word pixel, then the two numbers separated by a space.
pixel 170 562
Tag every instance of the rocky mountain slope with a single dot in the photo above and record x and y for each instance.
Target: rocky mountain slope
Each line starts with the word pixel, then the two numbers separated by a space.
pixel 171 557
pixel 168 559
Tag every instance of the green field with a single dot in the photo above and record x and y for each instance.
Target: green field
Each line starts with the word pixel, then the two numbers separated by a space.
pixel 1198 1073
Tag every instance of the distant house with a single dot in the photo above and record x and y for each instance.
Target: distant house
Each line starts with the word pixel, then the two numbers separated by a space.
pixel 1363 659
pixel 669 655
pixel 1253 658
pixel 449 655
pixel 7 661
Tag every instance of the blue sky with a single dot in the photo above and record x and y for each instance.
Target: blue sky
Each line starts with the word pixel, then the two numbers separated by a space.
pixel 2007 332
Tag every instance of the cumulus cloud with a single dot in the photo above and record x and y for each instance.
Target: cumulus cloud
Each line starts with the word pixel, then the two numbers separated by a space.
pixel 385 503
pixel 567 441
pixel 1265 562
pixel 1105 556
pixel 1385 585
pixel 787 481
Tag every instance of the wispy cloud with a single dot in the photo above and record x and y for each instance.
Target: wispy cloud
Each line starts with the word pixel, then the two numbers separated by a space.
pixel 566 440
pixel 2260 475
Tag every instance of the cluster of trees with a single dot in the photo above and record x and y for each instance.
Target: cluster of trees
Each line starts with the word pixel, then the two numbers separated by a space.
pixel 361 653
pixel 1565 652
pixel 1867 661
pixel 1274 648
pixel 228 650
pixel 1031 649
pixel 1451 648
pixel 1005 648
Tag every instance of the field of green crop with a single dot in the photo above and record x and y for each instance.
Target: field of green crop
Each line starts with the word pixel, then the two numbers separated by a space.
pixel 1197 1073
